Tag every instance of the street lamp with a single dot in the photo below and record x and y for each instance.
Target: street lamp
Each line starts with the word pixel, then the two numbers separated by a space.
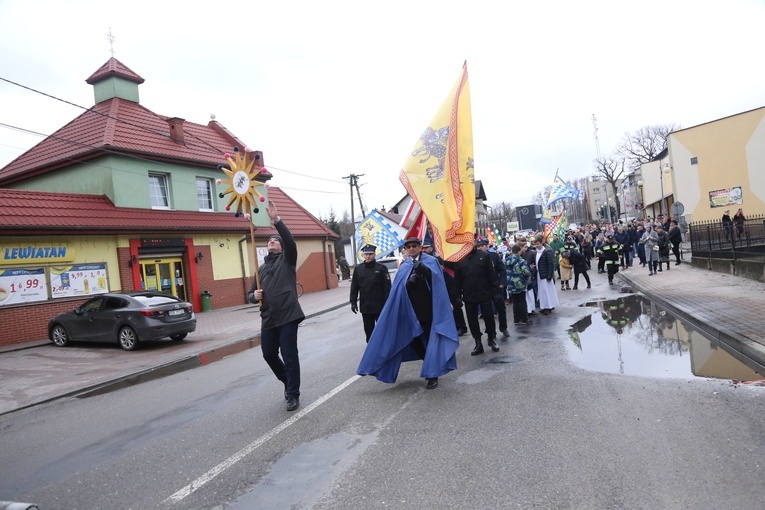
pixel 642 200
pixel 666 169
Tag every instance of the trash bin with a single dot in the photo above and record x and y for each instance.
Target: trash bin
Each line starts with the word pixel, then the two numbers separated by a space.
pixel 206 303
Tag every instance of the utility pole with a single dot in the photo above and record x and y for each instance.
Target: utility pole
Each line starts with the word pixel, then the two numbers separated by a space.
pixel 353 181
pixel 597 148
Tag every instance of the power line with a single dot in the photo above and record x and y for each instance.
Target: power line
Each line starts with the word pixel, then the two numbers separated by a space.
pixel 141 127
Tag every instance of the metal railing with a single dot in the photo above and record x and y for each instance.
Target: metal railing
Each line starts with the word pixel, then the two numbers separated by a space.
pixel 712 239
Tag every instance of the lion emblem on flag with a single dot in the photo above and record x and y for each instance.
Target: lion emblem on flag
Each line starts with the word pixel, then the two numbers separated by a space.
pixel 433 146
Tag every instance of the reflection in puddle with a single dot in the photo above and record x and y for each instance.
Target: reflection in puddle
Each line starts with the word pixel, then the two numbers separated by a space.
pixel 632 335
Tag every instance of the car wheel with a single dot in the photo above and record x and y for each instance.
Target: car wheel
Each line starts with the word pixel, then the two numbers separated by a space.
pixel 59 336
pixel 178 337
pixel 127 338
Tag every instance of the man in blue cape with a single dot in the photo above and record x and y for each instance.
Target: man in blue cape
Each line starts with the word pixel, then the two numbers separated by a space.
pixel 416 323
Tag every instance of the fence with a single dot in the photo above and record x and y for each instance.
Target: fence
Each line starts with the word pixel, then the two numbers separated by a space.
pixel 713 240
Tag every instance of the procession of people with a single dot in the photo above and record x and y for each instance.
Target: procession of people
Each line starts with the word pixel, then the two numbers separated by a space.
pixel 419 315
pixel 428 291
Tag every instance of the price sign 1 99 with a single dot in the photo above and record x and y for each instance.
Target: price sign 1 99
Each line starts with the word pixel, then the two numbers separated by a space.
pixel 32 283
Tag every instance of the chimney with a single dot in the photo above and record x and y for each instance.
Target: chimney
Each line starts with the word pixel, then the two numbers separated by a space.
pixel 176 128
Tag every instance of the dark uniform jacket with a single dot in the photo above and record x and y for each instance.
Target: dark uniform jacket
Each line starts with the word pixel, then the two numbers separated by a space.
pixel 371 282
pixel 499 267
pixel 278 279
pixel 546 266
pixel 419 287
pixel 610 252
pixel 477 278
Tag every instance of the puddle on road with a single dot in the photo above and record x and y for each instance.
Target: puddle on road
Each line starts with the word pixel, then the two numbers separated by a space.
pixel 632 335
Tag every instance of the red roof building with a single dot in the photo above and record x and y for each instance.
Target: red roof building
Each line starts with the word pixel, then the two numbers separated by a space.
pixel 136 195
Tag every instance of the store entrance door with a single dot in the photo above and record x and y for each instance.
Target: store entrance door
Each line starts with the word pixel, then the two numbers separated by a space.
pixel 164 275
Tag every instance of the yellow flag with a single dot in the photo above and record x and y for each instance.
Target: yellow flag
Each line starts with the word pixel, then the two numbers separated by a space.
pixel 439 174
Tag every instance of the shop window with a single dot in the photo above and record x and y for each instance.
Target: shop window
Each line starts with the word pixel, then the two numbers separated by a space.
pixel 204 194
pixel 158 190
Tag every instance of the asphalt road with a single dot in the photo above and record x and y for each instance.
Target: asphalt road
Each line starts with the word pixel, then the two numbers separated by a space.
pixel 523 428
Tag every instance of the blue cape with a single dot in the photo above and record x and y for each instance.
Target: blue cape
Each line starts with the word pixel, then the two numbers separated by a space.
pixel 397 326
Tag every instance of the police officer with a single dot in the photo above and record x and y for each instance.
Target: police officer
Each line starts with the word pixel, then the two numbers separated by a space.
pixel 370 282
pixel 500 293
pixel 477 281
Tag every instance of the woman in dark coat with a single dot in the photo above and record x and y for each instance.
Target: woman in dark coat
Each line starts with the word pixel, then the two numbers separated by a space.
pixel 588 250
pixel 675 237
pixel 738 221
pixel 580 267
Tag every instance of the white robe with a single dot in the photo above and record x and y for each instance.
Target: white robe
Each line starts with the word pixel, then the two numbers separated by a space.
pixel 548 297
pixel 531 303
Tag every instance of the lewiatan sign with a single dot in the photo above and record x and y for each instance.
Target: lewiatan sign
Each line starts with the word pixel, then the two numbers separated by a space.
pixel 36 253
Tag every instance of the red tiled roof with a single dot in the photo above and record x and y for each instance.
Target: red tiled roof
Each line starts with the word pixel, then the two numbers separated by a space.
pixel 114 67
pixel 25 212
pixel 124 127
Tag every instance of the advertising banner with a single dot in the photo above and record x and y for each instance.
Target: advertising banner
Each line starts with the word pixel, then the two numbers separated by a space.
pixel 725 197
pixel 78 280
pixel 18 286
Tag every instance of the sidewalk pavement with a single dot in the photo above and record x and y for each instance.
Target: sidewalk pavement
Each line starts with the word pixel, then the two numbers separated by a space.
pixel 728 308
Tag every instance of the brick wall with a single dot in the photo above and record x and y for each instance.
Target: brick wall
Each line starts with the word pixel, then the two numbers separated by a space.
pixel 28 323
pixel 318 272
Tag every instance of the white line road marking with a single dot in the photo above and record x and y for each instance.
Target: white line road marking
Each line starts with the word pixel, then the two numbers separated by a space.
pixel 202 480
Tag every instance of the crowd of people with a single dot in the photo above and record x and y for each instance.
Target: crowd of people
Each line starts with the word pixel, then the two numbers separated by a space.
pixel 432 302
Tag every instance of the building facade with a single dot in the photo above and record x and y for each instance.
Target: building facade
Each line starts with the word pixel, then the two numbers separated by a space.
pixel 718 166
pixel 122 198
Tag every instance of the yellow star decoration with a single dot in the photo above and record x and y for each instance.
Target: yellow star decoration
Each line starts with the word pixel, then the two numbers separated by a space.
pixel 241 182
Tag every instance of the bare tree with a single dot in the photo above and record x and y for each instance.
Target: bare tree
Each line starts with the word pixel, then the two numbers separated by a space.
pixel 643 145
pixel 542 197
pixel 611 169
pixel 501 213
pixel 347 229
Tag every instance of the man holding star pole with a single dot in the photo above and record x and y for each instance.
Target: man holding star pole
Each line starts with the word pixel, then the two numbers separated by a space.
pixel 280 310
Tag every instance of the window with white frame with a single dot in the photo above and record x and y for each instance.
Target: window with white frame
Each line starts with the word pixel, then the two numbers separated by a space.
pixel 598 202
pixel 204 194
pixel 159 191
pixel 596 190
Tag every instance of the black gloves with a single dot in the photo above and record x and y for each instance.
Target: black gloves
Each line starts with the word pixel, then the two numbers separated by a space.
pixel 354 307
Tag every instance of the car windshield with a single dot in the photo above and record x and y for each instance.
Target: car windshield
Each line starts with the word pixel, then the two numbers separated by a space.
pixel 155 300
pixel 390 264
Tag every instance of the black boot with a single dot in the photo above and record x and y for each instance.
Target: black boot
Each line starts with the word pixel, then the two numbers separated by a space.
pixel 493 345
pixel 478 348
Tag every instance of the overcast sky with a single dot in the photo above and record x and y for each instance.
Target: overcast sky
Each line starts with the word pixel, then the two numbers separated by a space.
pixel 330 88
